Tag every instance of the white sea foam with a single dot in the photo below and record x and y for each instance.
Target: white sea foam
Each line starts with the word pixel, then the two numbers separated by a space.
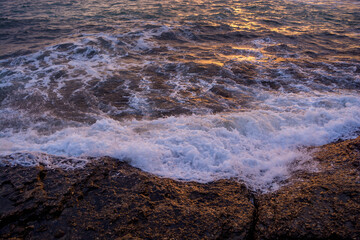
pixel 29 159
pixel 91 56
pixel 257 146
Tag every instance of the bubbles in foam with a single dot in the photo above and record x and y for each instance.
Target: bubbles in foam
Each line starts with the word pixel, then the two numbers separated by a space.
pixel 30 159
pixel 257 146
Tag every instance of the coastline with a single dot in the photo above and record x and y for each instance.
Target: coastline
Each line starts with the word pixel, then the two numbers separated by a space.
pixel 110 199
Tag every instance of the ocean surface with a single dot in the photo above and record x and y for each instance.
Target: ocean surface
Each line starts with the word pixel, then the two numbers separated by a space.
pixel 186 89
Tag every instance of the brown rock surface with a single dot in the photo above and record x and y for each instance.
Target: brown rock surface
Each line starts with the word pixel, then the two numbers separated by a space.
pixel 111 199
pixel 321 205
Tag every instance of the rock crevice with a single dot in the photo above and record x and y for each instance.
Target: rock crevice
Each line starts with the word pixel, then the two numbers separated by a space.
pixel 255 217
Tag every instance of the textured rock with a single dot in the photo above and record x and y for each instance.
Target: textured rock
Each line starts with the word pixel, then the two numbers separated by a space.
pixel 111 199
pixel 321 205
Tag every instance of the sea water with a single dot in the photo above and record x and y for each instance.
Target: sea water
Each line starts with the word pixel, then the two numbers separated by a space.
pixel 191 90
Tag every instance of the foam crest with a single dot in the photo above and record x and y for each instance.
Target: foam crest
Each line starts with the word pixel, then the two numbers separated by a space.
pixel 31 159
pixel 259 146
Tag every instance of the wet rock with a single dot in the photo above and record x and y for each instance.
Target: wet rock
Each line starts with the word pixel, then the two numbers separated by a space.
pixel 110 199
pixel 320 205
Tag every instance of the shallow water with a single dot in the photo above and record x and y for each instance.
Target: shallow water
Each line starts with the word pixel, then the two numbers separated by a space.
pixel 193 90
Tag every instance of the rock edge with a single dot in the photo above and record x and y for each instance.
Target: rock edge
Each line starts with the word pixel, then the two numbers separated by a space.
pixel 110 199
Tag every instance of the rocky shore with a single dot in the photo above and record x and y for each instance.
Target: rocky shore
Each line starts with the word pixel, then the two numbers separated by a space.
pixel 110 199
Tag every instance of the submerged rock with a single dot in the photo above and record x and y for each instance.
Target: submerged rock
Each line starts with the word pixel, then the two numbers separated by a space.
pixel 109 199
